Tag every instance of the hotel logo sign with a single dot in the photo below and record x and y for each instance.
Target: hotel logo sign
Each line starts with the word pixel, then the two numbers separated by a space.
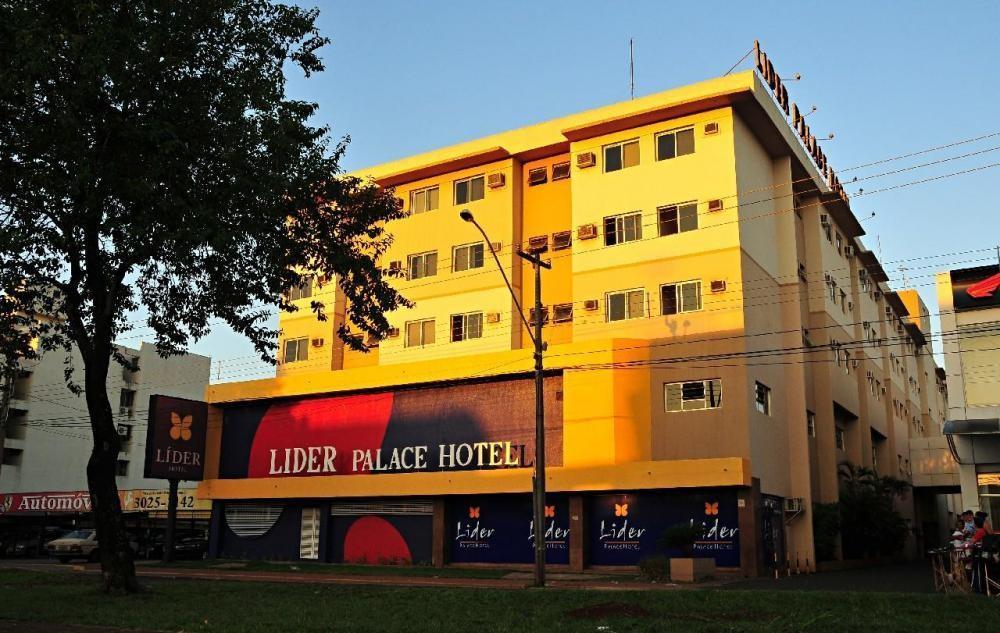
pixel 175 438
pixel 975 288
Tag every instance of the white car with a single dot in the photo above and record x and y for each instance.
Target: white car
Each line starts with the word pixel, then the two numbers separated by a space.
pixel 76 544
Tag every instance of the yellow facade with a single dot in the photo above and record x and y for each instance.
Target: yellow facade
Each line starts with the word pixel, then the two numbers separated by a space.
pixel 766 273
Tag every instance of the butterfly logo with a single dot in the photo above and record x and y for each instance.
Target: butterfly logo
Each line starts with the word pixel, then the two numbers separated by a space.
pixel 550 512
pixel 711 508
pixel 8 501
pixel 180 428
pixel 621 510
pixel 473 512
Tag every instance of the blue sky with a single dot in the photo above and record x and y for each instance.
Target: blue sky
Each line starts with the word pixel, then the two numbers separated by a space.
pixel 888 78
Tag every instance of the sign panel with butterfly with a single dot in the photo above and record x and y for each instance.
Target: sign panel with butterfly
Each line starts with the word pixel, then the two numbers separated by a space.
pixel 500 529
pixel 175 438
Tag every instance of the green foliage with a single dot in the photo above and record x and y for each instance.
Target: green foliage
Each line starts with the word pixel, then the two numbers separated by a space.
pixel 680 537
pixel 869 524
pixel 826 527
pixel 150 161
pixel 655 568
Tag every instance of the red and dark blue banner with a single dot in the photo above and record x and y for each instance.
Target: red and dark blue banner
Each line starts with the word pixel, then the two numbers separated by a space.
pixel 380 539
pixel 625 528
pixel 500 529
pixel 468 426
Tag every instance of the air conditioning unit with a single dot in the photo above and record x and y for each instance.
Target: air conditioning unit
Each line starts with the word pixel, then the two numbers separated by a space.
pixel 496 180
pixel 715 205
pixel 317 342
pixel 711 128
pixel 124 430
pixel 492 317
pixel 561 240
pixel 372 340
pixel 794 504
pixel 827 278
pixel 865 325
pixel 848 251
pixel 888 311
pixel 855 363
pixel 850 306
pixel 393 332
pixel 496 247
pixel 824 219
pixel 870 375
pixel 590 304
pixel 718 285
pixel 586 159
pixel 802 272
pixel 586 232
pixel 538 244
pixel 396 266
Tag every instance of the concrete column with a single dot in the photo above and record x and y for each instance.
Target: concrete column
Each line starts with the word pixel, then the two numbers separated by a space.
pixel 751 540
pixel 577 534
pixel 438 534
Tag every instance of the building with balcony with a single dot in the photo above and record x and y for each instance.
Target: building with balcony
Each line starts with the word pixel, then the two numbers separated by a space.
pixel 719 341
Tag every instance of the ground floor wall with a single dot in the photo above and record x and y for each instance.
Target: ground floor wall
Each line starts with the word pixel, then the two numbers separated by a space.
pixel 613 529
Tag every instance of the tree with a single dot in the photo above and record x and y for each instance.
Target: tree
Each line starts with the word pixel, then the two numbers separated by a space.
pixel 869 523
pixel 150 159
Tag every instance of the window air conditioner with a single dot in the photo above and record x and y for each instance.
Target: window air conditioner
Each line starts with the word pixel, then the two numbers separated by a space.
pixel 586 232
pixel 848 251
pixel 824 219
pixel 793 504
pixel 538 244
pixel 492 317
pixel 718 285
pixel 393 332
pixel 590 304
pixel 561 240
pixel 586 159
pixel 318 342
pixel 715 205
pixel 711 128
pixel 496 180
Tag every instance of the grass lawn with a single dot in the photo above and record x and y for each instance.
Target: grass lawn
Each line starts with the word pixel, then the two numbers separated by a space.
pixel 193 606
pixel 328 568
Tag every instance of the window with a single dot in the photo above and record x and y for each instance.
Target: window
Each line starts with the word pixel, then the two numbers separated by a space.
pixel 121 468
pixel 811 423
pixel 467 257
pixel 126 402
pixel 674 144
pixel 562 313
pixel 470 189
pixel 680 297
pixel 423 200
pixel 626 304
pixel 532 317
pixel 466 326
pixel 12 456
pixel 621 155
pixel 296 349
pixel 562 240
pixel 619 229
pixel 302 291
pixel 692 396
pixel 762 398
pixel 560 171
pixel 419 332
pixel 538 176
pixel 677 218
pixel 423 264
pixel 838 436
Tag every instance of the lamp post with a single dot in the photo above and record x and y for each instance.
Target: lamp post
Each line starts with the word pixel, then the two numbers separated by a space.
pixel 538 489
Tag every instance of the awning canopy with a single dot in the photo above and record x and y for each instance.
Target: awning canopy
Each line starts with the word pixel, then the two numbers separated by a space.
pixel 988 426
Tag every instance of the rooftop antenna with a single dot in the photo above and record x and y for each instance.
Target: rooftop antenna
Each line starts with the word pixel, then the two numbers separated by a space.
pixel 631 70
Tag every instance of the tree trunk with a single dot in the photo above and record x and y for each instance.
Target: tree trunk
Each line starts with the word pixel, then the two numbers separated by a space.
pixel 117 568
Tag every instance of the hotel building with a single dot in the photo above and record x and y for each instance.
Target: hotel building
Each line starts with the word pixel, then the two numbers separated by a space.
pixel 718 342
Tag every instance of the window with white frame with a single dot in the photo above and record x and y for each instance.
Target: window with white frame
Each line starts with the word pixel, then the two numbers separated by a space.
pixel 618 156
pixel 423 200
pixel 692 395
pixel 762 397
pixel 422 265
pixel 467 257
pixel 302 291
pixel 420 332
pixel 619 229
pixel 677 218
pixel 674 143
pixel 466 326
pixel 470 189
pixel 679 297
pixel 296 349
pixel 625 304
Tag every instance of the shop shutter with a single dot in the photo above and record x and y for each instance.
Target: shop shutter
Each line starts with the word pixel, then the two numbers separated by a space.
pixel 248 520
pixel 309 535
pixel 396 508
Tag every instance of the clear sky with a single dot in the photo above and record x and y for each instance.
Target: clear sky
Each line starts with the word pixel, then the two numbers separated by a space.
pixel 888 78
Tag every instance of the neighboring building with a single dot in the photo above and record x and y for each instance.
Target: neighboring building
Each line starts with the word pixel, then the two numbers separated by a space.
pixel 718 342
pixel 47 439
pixel 969 300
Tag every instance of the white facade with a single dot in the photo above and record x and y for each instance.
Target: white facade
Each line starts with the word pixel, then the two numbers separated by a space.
pixel 47 437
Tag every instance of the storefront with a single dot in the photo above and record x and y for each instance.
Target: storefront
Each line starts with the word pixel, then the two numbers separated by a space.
pixel 441 474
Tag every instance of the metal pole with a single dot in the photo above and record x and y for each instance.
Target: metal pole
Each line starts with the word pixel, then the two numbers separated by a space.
pixel 168 537
pixel 539 491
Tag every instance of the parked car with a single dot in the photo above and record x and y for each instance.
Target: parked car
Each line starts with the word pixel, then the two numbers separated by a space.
pixel 188 545
pixel 77 544
pixel 28 542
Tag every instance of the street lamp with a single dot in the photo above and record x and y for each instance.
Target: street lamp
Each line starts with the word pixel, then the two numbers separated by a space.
pixel 538 489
